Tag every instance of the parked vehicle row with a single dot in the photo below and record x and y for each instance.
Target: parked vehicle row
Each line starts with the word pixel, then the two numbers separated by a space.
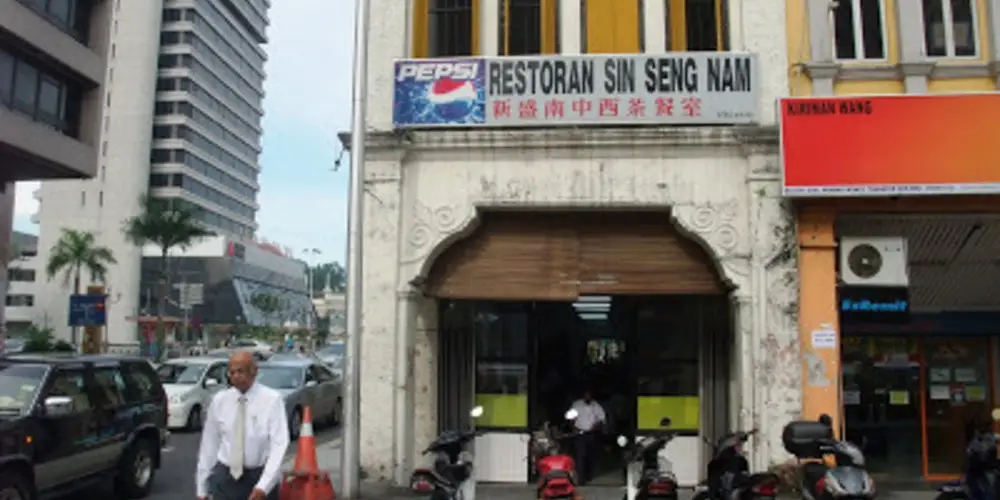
pixel 649 474
pixel 191 383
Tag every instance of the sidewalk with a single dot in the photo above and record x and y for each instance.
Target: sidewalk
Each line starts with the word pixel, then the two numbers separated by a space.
pixel 328 457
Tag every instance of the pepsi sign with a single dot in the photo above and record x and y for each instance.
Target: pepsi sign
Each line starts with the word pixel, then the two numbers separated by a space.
pixel 439 93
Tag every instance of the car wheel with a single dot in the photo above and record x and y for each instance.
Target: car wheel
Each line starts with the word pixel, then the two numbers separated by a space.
pixel 194 421
pixel 14 486
pixel 295 424
pixel 137 470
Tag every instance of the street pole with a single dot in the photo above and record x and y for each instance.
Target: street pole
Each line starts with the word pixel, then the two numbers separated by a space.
pixel 350 467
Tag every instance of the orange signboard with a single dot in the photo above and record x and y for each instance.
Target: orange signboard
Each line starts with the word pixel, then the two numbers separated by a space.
pixel 891 145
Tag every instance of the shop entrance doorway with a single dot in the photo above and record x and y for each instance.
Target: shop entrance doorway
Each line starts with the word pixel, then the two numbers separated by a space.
pixel 642 359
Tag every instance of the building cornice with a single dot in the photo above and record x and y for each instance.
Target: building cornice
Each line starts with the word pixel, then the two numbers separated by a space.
pixel 747 138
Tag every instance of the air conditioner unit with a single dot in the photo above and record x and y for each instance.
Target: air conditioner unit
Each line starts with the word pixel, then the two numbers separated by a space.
pixel 874 261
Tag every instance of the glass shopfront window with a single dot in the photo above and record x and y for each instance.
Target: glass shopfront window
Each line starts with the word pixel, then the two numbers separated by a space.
pixel 667 368
pixel 501 332
pixel 912 402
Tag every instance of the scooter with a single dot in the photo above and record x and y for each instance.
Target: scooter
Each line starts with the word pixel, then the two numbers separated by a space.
pixel 556 469
pixel 982 468
pixel 729 476
pixel 847 479
pixel 647 474
pixel 452 476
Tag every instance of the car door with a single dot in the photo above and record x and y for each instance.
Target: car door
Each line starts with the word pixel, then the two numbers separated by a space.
pixel 68 441
pixel 220 372
pixel 113 414
pixel 326 395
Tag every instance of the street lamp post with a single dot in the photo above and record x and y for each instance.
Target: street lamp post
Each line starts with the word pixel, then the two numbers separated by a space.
pixel 309 283
pixel 350 468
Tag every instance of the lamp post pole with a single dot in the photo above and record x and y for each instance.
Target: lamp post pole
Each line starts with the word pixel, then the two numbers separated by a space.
pixel 350 460
pixel 309 283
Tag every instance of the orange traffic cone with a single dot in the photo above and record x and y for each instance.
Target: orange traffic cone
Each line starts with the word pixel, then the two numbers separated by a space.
pixel 306 481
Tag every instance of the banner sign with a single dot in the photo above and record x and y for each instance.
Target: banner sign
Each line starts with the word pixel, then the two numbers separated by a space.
pixel 890 145
pixel 696 88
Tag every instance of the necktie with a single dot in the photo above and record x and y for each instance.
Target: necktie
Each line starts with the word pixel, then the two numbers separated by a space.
pixel 239 437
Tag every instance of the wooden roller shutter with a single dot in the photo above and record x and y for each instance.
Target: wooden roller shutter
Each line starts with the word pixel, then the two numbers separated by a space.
pixel 510 256
pixel 641 253
pixel 560 256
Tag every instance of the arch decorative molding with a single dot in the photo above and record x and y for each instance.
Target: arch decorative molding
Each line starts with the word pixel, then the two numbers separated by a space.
pixel 716 228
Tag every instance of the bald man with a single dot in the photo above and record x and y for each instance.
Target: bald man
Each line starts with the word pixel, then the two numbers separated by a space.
pixel 244 439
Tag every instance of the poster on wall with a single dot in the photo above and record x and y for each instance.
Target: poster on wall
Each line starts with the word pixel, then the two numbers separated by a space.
pixel 975 393
pixel 852 397
pixel 940 392
pixel 899 398
pixel 958 396
pixel 940 374
pixel 965 375
pixel 824 338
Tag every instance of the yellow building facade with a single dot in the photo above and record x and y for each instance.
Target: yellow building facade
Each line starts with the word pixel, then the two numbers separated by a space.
pixel 875 48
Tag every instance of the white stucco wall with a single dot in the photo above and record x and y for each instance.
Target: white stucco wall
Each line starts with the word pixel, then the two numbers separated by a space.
pixel 721 185
pixel 426 189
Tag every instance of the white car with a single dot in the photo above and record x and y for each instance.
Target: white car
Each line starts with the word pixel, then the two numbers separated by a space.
pixel 190 384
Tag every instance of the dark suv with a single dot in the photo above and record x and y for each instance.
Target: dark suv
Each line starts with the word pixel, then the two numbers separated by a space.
pixel 67 421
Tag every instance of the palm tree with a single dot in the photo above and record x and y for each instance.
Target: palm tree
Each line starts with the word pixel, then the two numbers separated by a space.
pixel 166 226
pixel 76 252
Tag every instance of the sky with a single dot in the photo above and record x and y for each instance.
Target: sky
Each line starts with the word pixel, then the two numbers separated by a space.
pixel 303 201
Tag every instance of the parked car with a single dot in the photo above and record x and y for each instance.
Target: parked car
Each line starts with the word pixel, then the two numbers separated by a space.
pixel 68 421
pixel 304 383
pixel 13 345
pixel 332 356
pixel 260 349
pixel 190 384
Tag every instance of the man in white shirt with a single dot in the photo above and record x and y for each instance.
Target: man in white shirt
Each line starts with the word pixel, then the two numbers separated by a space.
pixel 590 419
pixel 244 439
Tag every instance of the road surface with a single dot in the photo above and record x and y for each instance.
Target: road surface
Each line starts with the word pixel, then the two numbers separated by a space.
pixel 175 479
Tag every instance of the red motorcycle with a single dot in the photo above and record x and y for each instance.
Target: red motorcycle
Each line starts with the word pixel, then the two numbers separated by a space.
pixel 556 469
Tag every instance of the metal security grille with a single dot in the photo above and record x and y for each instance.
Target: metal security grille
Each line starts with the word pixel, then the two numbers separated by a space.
pixel 520 27
pixel 450 28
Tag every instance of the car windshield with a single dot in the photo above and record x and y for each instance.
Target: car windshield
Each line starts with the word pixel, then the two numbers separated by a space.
pixel 331 350
pixel 18 385
pixel 180 373
pixel 280 377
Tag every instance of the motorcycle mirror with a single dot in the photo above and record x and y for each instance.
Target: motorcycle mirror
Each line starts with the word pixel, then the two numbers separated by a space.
pixel 665 422
pixel 476 412
pixel 571 414
pixel 995 414
pixel 622 441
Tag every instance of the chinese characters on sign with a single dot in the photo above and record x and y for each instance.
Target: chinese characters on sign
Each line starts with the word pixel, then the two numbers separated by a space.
pixel 677 88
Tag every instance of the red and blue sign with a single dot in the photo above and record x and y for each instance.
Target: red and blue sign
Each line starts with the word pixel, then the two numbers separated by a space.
pixel 431 93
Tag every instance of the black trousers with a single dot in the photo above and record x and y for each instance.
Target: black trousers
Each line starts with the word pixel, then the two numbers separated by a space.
pixel 222 486
pixel 587 447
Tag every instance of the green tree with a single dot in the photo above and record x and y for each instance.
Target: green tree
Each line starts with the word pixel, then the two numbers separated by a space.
pixel 268 305
pixel 332 271
pixel 166 226
pixel 74 253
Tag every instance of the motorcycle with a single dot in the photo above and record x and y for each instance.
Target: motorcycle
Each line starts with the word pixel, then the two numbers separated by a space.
pixel 556 469
pixel 982 468
pixel 729 476
pixel 648 475
pixel 452 476
pixel 813 441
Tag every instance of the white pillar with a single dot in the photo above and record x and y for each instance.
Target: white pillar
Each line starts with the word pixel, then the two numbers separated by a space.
pixel 654 30
pixel 569 27
pixel 6 235
pixel 489 27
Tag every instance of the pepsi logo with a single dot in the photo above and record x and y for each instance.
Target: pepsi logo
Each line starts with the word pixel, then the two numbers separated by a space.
pixel 427 72
pixel 453 99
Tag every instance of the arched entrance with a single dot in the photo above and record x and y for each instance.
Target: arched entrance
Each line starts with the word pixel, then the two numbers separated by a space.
pixel 536 308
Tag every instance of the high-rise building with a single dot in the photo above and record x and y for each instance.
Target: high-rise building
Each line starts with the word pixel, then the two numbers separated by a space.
pixel 52 73
pixel 181 122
